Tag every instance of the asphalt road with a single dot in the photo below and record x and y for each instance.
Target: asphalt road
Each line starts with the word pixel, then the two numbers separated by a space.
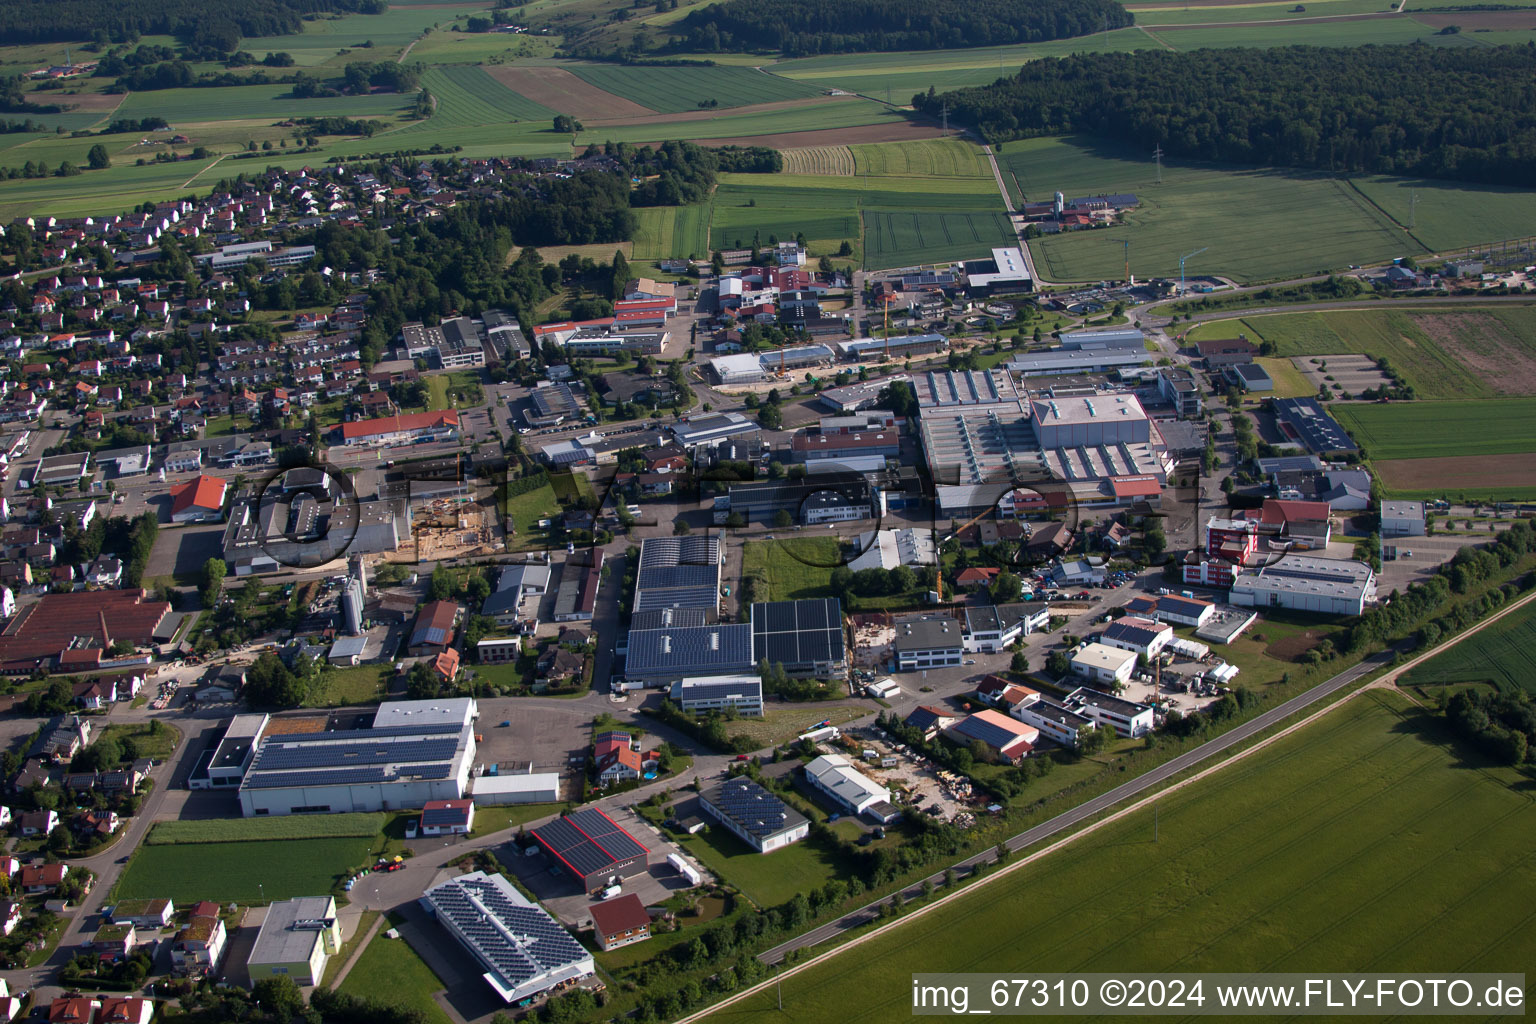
pixel 1120 794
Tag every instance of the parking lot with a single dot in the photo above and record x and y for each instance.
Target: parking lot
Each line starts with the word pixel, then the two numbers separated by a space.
pixel 549 735
pixel 183 550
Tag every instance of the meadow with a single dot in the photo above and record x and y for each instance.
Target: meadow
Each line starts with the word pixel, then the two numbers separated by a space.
pixel 391 971
pixel 1154 15
pixel 526 510
pixel 1452 354
pixel 1449 214
pixel 1426 430
pixel 934 158
pixel 850 113
pixel 389 33
pixel 1255 224
pixel 242 872
pixel 676 90
pixel 1361 32
pixel 900 239
pixel 766 879
pixel 1361 842
pixel 1503 654
pixel 240 830
pixel 254 102
pixel 791 568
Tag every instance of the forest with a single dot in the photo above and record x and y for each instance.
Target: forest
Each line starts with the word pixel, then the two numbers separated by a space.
pixel 801 28
pixel 1455 113
pixel 200 21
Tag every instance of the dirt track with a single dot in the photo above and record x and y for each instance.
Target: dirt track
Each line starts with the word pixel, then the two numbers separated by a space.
pixel 564 93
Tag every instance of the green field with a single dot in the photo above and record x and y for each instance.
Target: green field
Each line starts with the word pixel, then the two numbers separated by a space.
pixel 1382 31
pixel 1428 430
pixel 1457 352
pixel 1503 654
pixel 1154 15
pixel 389 32
pixel 391 971
pixel 1255 224
pixel 241 872
pixel 1362 842
pixel 675 90
pixel 1449 214
pixel 469 96
pixel 526 510
pixel 766 879
pixel 253 102
pixel 930 158
pixel 240 830
pixel 891 220
pixel 663 232
pixel 791 568
pixel 729 125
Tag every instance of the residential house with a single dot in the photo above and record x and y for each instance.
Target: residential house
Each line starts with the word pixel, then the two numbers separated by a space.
pixel 198 947
pixel 620 922
pixel 447 817
pixel 40 878
pixel 37 823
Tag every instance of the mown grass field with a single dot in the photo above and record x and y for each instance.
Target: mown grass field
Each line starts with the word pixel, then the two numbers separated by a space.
pixel 526 510
pixel 675 90
pixel 766 879
pixel 790 568
pixel 1503 654
pixel 1452 353
pixel 1256 224
pixel 244 872
pixel 255 102
pixel 823 160
pixel 240 830
pixel 1289 381
pixel 1362 842
pixel 1426 430
pixel 391 971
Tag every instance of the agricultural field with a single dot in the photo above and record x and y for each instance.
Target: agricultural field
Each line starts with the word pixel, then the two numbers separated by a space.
pixel 391 971
pixel 1355 32
pixel 1301 854
pixel 469 96
pixel 819 160
pixel 1157 15
pixel 1460 478
pixel 1449 214
pixel 254 102
pixel 675 90
pixel 1426 430
pixel 1503 654
pixel 241 830
pixel 242 872
pixel 1256 224
pixel 1452 353
pixel 389 33
pixel 663 232
pixel 791 568
pixel 934 158
pixel 890 220
pixel 789 123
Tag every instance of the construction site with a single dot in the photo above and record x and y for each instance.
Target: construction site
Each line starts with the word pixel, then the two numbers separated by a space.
pixel 448 527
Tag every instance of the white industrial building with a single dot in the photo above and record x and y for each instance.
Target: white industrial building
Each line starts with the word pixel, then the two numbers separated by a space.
pixel 754 815
pixel 1103 664
pixel 1094 421
pixel 1402 519
pixel 415 751
pixel 848 787
pixel 927 641
pixel 886 549
pixel 717 693
pixel 520 949
pixel 516 788
pixel 1054 721
pixel 991 629
pixel 738 369
pixel 1306 584
pixel 1138 635
pixel 1126 717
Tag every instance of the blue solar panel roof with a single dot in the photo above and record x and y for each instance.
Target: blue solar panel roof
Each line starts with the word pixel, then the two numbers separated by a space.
pixel 691 650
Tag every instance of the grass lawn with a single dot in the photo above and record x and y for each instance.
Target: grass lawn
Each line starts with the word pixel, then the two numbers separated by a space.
pixel 445 390
pixel 148 741
pixel 1289 381
pixel 1503 654
pixel 391 971
pixel 791 568
pixel 526 510
pixel 348 947
pixel 783 722
pixel 766 879
pixel 1424 430
pixel 1266 650
pixel 1291 223
pixel 249 872
pixel 496 817
pixel 1301 854
pixel 358 684
pixel 290 826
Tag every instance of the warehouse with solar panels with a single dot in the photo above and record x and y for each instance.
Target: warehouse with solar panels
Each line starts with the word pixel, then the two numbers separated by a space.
pixel 592 848
pixel 415 751
pixel 658 656
pixel 679 572
pixel 754 815
pixel 806 637
pixel 522 950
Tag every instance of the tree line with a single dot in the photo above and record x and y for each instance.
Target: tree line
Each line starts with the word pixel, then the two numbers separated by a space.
pixel 1457 113
pixel 40 21
pixel 799 28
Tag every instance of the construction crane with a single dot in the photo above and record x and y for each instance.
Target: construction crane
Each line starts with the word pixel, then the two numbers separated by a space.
pixel 1186 256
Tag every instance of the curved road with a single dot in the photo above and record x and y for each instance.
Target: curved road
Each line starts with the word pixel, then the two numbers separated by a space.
pixel 1103 802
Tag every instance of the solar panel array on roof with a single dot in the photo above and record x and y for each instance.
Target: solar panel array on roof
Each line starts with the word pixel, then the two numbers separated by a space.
pixel 335 755
pixel 518 941
pixel 678 572
pixel 588 841
pixel 799 634
pixel 689 650
pixel 756 810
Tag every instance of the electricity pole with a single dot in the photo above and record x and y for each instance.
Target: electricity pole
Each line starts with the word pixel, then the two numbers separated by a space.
pixel 1158 155
pixel 1413 209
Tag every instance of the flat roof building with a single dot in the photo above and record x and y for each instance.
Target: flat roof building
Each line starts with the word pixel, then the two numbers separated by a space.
pixel 1303 583
pixel 930 640
pixel 296 939
pixel 678 572
pixel 1103 663
pixel 805 636
pixel 850 789
pixel 521 950
pixel 1402 519
pixel 1126 717
pixel 415 751
pixel 1096 420
pixel 743 693
pixel 1305 422
pixel 662 655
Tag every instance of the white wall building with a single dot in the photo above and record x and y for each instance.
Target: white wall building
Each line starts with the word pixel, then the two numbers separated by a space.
pixel 1103 664
pixel 1306 584
pixel 754 815
pixel 1126 717
pixel 1402 519
pixel 848 787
